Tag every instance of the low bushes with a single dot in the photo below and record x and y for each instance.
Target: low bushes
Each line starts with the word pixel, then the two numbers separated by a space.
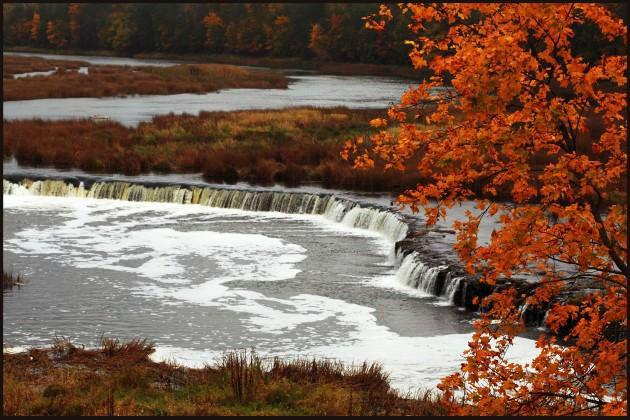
pixel 291 146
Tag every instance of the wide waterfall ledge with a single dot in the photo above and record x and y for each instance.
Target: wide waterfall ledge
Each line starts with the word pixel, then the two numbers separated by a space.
pixel 413 270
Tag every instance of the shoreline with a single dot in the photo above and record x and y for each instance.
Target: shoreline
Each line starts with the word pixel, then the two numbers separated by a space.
pixel 101 81
pixel 121 378
pixel 322 67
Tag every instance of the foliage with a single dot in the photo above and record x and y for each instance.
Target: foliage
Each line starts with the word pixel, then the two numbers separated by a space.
pixel 253 29
pixel 516 105
pixel 73 17
pixel 35 22
pixel 215 36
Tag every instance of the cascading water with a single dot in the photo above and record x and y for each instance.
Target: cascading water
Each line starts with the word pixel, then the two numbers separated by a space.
pixel 336 209
pixel 376 220
pixel 451 285
pixel 412 271
pixel 436 281
pixel 416 274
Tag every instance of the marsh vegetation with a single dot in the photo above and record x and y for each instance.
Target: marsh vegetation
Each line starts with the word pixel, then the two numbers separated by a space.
pixel 290 146
pixel 105 80
pixel 119 378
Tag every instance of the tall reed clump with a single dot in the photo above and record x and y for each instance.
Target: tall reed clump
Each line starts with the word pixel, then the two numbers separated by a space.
pixel 244 371
pixel 134 349
pixel 336 388
pixel 11 280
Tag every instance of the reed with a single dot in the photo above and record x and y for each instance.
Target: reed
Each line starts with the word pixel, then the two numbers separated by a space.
pixel 11 280
pixel 134 349
pixel 244 370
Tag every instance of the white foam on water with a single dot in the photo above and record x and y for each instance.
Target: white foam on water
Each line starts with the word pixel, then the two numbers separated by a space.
pixel 103 233
pixel 413 363
pixel 15 350
pixel 106 245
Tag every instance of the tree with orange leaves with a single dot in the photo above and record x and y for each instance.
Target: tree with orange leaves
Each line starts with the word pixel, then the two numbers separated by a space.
pixel 317 41
pixel 516 118
pixel 55 34
pixel 215 36
pixel 35 23
pixel 73 15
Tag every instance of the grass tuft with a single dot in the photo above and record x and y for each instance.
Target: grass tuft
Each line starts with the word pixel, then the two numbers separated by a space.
pixel 135 349
pixel 11 280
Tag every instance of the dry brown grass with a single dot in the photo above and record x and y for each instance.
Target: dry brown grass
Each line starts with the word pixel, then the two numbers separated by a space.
pixel 104 81
pixel 291 146
pixel 326 67
pixel 69 380
pixel 13 64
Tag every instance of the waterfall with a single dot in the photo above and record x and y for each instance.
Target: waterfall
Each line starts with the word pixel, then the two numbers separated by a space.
pixel 380 221
pixel 534 315
pixel 412 271
pixel 451 285
pixel 336 209
pixel 463 298
pixel 436 281
pixel 543 324
pixel 522 310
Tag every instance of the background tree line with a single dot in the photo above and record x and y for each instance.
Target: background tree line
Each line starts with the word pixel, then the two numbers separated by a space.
pixel 330 32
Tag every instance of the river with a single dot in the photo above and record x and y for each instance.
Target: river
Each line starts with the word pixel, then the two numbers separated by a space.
pixel 304 90
pixel 198 279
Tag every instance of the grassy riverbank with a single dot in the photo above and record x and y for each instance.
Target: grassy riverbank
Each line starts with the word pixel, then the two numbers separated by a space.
pixel 102 81
pixel 12 65
pixel 120 379
pixel 325 67
pixel 291 146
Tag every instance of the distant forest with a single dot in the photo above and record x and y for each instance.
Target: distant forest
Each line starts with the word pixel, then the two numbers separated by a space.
pixel 321 31
pixel 324 31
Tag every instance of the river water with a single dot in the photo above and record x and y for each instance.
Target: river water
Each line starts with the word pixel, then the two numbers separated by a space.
pixel 304 90
pixel 199 280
